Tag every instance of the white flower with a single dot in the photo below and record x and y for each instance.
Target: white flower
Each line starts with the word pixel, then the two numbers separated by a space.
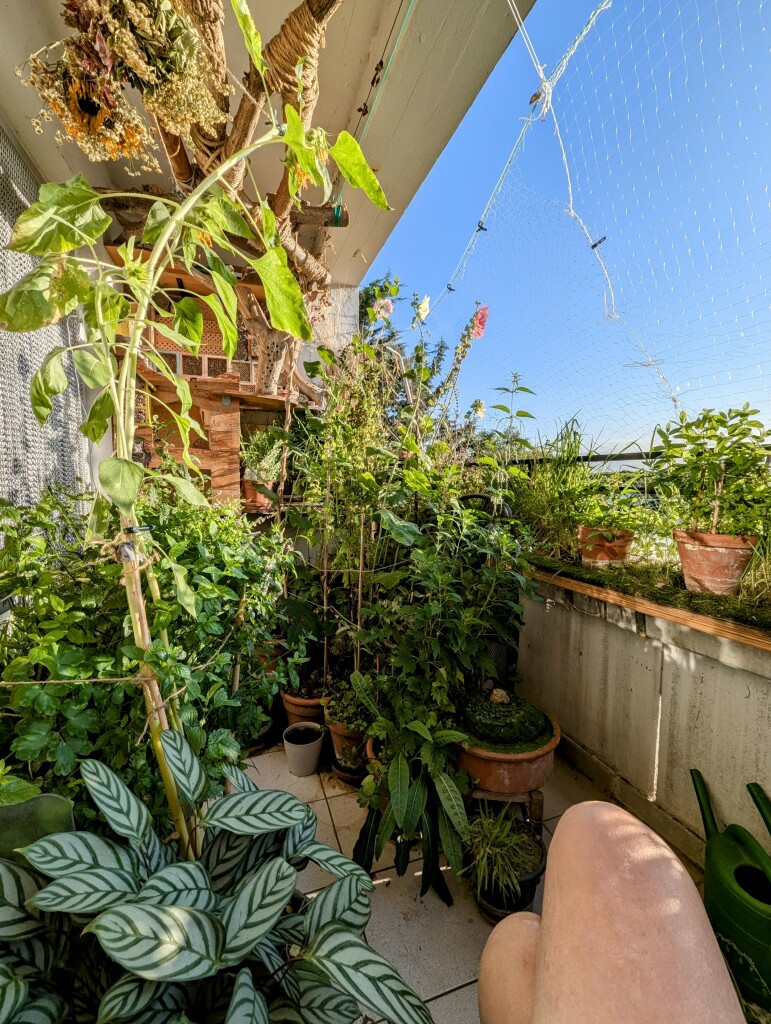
pixel 478 408
pixel 423 309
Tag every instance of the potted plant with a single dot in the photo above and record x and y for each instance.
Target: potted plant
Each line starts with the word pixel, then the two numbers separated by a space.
pixel 511 742
pixel 608 520
pixel 504 863
pixel 712 472
pixel 347 726
pixel 261 456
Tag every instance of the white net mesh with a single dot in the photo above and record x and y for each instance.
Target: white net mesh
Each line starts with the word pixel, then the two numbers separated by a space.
pixel 657 142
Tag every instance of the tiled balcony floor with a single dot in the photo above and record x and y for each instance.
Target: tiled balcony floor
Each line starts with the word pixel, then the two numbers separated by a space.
pixel 436 948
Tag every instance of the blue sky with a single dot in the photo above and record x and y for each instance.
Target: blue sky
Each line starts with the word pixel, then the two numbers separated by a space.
pixel 664 114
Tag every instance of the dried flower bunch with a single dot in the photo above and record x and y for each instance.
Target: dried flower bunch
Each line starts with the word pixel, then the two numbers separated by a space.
pixel 146 44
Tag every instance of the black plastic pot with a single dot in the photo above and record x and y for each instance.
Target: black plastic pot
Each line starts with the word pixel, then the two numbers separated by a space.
pixel 494 905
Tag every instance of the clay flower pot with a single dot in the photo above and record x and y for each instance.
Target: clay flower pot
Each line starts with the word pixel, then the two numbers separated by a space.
pixel 602 546
pixel 713 562
pixel 302 709
pixel 348 745
pixel 256 499
pixel 508 774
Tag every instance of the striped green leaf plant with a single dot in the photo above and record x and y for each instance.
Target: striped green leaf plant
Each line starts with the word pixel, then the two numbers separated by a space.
pixel 126 929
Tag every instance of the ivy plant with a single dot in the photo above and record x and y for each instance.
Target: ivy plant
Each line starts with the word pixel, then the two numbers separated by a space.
pixel 221 935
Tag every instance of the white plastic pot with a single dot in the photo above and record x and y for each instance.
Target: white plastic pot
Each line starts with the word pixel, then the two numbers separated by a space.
pixel 302 743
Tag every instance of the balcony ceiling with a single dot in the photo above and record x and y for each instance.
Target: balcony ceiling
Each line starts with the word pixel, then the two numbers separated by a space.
pixel 446 51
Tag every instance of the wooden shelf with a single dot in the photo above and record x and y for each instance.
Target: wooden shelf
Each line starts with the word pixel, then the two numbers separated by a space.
pixel 724 628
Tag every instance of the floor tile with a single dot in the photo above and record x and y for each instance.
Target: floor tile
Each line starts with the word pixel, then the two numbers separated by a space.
pixel 333 786
pixel 433 946
pixel 565 787
pixel 271 771
pixel 459 1007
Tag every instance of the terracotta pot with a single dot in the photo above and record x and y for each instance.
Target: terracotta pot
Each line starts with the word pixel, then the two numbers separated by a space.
pixel 713 562
pixel 508 774
pixel 494 906
pixel 302 709
pixel 348 745
pixel 255 498
pixel 601 546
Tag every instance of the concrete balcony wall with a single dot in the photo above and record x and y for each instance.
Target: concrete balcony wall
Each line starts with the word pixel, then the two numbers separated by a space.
pixel 641 700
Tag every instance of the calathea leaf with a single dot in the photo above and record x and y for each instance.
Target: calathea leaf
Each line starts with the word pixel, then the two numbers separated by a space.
pixel 353 166
pixel 48 1009
pixel 87 892
pixel 17 887
pixel 256 906
pixel 131 995
pixel 223 858
pixel 352 966
pixel 298 836
pixel 161 943
pixel 69 852
pixel 34 957
pixel 247 1005
pixel 399 786
pixel 121 481
pixel 239 780
pixel 185 766
pixel 98 420
pixel 124 813
pixel 344 902
pixel 182 885
pixel 65 217
pixel 255 813
pixel 316 1001
pixel 13 993
pixel 286 306
pixel 335 863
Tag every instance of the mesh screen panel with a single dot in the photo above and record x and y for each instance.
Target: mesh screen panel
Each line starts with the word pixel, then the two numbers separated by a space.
pixel 31 457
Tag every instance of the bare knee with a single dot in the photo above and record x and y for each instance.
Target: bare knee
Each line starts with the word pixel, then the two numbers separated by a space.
pixel 507 971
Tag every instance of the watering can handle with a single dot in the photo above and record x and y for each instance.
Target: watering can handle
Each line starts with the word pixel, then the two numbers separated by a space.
pixel 707 814
pixel 762 802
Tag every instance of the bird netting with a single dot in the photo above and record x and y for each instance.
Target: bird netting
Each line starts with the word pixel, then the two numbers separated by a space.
pixel 31 457
pixel 626 250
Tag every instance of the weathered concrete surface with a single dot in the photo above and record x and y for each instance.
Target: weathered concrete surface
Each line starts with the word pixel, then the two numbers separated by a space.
pixel 645 700
pixel 601 682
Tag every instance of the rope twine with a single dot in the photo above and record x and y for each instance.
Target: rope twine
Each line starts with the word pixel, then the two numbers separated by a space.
pixel 300 37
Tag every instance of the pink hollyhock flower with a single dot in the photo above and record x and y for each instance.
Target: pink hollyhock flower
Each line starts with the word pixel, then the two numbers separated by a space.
pixel 479 321
pixel 383 308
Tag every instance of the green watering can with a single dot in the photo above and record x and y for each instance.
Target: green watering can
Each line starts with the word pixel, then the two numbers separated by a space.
pixel 737 894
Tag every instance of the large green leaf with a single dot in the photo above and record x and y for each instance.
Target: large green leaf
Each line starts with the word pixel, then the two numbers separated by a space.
pixel 13 993
pixel 92 370
pixel 188 321
pixel 65 217
pixel 251 814
pixel 451 842
pixel 254 909
pixel 352 966
pixel 247 1005
pixel 399 786
pixel 402 531
pixel 127 997
pixel 121 481
pixel 44 295
pixel 98 420
pixel 353 166
pixel 185 766
pixel 182 885
pixel 452 802
pixel 224 857
pixel 186 489
pixel 345 902
pixel 416 804
pixel 70 852
pixel 104 310
pixel 87 892
pixel 359 684
pixel 250 34
pixel 157 218
pixel 385 829
pixel 49 380
pixel 298 836
pixel 286 306
pixel 295 139
pixel 48 1009
pixel 227 327
pixel 335 863
pixel 17 886
pixel 161 943
pixel 124 813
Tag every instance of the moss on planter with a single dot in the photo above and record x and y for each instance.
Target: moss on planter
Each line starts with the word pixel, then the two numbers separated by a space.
pixel 514 728
pixel 648 582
